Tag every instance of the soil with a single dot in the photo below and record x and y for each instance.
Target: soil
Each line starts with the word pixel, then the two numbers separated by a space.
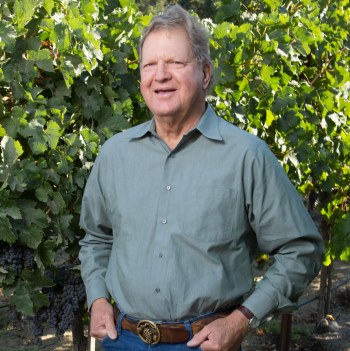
pixel 15 334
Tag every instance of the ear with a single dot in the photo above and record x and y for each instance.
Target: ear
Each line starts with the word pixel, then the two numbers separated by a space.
pixel 206 75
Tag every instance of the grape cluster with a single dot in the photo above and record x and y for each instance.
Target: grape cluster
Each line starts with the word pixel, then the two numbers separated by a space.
pixel 15 257
pixel 65 298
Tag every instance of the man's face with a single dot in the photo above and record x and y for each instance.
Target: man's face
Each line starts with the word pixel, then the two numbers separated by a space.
pixel 172 83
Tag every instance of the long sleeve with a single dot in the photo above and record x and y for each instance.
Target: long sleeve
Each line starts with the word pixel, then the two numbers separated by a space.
pixel 97 243
pixel 283 229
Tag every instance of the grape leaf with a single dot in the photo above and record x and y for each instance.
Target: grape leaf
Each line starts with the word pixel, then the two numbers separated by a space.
pixel 21 299
pixel 6 233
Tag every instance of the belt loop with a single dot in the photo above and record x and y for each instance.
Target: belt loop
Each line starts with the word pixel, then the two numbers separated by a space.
pixel 189 329
pixel 119 324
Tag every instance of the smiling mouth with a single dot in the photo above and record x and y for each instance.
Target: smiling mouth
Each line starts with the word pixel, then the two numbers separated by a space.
pixel 164 91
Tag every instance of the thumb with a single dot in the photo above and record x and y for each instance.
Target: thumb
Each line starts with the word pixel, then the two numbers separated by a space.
pixel 110 329
pixel 198 339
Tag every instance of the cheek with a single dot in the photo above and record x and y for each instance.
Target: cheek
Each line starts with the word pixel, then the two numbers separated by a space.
pixel 145 79
pixel 191 87
pixel 144 87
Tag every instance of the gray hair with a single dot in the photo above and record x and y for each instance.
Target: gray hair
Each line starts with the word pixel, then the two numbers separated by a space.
pixel 174 17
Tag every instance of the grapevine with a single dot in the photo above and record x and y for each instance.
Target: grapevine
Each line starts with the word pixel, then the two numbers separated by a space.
pixel 65 298
pixel 15 258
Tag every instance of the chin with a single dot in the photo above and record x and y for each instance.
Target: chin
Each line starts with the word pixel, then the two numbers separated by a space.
pixel 165 113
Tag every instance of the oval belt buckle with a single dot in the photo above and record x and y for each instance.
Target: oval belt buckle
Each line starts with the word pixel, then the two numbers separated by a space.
pixel 148 332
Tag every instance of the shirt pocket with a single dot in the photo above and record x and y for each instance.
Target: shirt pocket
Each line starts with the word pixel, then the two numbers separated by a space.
pixel 208 213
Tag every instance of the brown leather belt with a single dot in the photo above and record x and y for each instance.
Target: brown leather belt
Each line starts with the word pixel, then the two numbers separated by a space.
pixel 153 332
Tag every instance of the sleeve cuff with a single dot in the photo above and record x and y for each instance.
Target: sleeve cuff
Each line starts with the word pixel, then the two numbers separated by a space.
pixel 260 304
pixel 96 292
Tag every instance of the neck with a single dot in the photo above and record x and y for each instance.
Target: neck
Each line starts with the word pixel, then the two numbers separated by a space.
pixel 171 130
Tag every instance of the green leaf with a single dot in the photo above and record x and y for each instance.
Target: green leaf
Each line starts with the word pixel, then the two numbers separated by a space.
pixel 61 36
pixel 89 9
pixel 31 236
pixel 24 11
pixel 80 178
pixel 302 47
pixel 8 206
pixel 39 300
pixel 112 120
pixel 3 274
pixel 2 130
pixel 57 203
pixel 43 191
pixel 53 133
pixel 341 237
pixel 346 142
pixel 285 97
pixel 21 299
pixel 270 117
pixel 12 149
pixel 267 72
pixel 16 122
pixel 8 279
pixel 89 136
pixel 46 253
pixel 222 30
pixel 37 145
pixel 6 233
pixel 36 278
pixel 32 215
pixel 7 36
pixel 229 9
pixel 327 259
pixel 41 59
pixel 49 6
pixel 345 255
pixel 127 3
pixel 11 210
pixel 65 221
pixel 274 4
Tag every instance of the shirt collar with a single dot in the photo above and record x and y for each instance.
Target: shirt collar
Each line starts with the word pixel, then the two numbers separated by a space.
pixel 142 129
pixel 208 126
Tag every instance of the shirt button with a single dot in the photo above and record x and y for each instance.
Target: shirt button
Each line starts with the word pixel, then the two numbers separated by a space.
pixel 160 255
pixel 164 221
pixel 168 187
pixel 157 290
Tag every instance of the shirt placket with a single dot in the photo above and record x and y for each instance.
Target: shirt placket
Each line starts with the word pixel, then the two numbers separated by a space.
pixel 160 259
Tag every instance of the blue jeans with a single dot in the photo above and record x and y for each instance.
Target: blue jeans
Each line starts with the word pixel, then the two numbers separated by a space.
pixel 128 341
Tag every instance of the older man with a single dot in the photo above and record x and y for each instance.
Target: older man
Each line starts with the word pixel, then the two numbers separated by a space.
pixel 175 208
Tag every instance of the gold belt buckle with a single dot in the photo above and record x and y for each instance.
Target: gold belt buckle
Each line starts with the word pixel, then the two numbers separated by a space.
pixel 148 332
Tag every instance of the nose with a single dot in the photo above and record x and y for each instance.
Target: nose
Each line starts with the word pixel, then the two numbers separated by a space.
pixel 162 71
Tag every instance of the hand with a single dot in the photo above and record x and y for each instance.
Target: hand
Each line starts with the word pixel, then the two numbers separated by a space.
pixel 102 320
pixel 223 334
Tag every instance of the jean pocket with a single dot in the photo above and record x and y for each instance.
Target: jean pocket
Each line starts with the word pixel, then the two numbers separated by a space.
pixel 108 341
pixel 105 340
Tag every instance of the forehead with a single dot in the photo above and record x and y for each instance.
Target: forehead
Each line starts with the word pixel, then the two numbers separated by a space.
pixel 166 42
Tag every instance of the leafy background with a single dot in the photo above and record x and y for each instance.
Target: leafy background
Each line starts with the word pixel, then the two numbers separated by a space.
pixel 69 80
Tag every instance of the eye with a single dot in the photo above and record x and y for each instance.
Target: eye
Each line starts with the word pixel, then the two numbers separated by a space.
pixel 177 64
pixel 148 65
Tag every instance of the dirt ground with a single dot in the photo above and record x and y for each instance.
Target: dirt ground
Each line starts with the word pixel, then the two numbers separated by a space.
pixel 16 336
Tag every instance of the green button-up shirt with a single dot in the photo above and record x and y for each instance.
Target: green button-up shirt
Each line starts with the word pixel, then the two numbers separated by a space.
pixel 171 234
